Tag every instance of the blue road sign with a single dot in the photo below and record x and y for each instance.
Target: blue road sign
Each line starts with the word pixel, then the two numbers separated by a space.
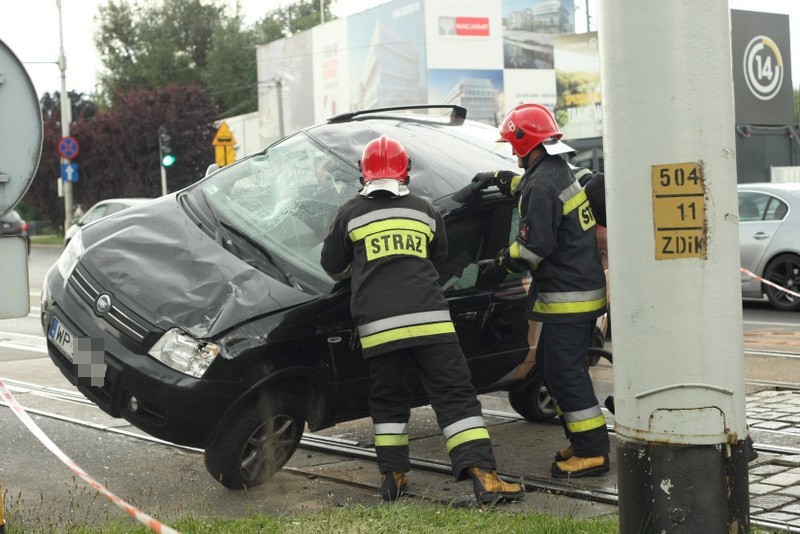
pixel 69 172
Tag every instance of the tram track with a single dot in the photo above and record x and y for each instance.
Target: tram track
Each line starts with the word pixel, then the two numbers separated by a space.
pixel 352 450
pixel 75 397
pixel 347 448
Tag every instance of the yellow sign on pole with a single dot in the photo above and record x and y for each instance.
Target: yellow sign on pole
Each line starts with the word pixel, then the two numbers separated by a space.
pixel 679 211
pixel 224 145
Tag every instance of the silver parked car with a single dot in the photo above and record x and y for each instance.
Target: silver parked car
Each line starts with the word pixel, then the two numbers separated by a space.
pixel 769 241
pixel 102 209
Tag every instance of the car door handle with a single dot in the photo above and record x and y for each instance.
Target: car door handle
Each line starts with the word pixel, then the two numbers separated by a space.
pixel 470 316
pixel 760 236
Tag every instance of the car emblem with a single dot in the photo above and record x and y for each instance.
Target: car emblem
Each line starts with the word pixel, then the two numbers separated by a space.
pixel 103 303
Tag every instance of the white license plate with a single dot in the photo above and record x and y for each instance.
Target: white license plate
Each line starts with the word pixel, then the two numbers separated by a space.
pixel 61 338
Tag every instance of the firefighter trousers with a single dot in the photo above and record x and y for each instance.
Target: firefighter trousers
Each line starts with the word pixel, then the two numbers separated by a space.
pixel 561 353
pixel 444 374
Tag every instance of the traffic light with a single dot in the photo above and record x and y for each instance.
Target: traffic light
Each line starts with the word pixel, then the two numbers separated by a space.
pixel 167 157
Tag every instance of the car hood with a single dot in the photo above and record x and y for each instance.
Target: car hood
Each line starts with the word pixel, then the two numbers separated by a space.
pixel 156 261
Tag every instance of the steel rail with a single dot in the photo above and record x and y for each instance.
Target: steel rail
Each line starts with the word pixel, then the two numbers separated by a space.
pixel 350 449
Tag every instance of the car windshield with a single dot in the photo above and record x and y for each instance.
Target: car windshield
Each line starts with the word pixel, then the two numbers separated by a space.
pixel 283 201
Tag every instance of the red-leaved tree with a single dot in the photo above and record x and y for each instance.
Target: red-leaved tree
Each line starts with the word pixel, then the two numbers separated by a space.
pixel 119 154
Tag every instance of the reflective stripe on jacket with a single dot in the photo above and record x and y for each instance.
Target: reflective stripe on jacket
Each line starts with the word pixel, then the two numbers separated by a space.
pixel 388 247
pixel 557 240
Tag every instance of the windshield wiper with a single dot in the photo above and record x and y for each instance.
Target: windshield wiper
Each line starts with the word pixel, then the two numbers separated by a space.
pixel 224 232
pixel 270 258
pixel 221 234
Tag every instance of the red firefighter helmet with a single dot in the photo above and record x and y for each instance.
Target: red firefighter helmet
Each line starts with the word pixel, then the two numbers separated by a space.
pixel 527 125
pixel 384 158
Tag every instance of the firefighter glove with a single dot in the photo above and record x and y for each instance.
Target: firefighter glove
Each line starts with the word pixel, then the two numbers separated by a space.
pixel 504 181
pixel 482 180
pixel 490 274
pixel 510 264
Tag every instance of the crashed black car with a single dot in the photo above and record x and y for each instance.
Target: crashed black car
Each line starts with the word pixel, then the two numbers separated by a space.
pixel 217 328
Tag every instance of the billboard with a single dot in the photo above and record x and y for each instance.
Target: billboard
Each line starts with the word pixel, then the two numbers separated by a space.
pixel 762 73
pixel 289 62
pixel 461 35
pixel 579 103
pixel 386 56
pixel 331 76
pixel 529 28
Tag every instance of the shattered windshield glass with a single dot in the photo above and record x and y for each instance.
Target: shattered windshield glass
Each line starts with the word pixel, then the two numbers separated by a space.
pixel 284 201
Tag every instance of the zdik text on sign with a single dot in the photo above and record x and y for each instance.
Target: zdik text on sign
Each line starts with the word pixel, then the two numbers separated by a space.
pixel 679 211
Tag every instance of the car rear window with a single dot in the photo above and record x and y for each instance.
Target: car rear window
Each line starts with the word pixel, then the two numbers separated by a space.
pixel 11 217
pixel 444 157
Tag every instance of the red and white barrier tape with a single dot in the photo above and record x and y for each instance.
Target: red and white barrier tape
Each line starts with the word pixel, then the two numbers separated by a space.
pixel 23 416
pixel 773 284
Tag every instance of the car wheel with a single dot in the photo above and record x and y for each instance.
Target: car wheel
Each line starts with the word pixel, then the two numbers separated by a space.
pixel 783 270
pixel 258 441
pixel 532 400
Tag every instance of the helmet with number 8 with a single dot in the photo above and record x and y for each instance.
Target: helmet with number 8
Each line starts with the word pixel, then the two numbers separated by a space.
pixel 384 158
pixel 528 125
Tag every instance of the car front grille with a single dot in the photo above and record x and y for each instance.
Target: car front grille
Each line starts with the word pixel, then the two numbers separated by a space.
pixel 119 317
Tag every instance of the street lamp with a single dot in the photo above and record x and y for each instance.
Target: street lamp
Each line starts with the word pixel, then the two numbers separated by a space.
pixel 66 118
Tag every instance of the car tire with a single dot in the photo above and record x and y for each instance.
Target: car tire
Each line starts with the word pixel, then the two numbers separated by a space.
pixel 258 440
pixel 532 400
pixel 783 270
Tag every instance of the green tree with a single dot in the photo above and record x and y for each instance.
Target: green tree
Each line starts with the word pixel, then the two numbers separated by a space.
pixel 192 41
pixel 230 74
pixel 151 45
pixel 298 16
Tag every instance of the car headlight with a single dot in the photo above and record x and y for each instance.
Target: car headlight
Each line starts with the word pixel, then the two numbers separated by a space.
pixel 69 258
pixel 184 353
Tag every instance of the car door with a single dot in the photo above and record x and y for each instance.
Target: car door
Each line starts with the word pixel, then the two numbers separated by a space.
pixel 760 216
pixel 490 323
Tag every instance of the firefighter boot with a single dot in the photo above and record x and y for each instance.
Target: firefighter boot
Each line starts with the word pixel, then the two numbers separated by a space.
pixel 393 485
pixel 577 467
pixel 564 454
pixel 490 488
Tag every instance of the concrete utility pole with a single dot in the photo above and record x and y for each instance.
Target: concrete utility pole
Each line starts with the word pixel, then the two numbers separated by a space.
pixel 66 118
pixel 279 87
pixel 670 162
pixel 588 17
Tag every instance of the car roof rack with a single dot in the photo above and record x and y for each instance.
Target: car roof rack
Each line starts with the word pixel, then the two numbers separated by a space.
pixel 457 112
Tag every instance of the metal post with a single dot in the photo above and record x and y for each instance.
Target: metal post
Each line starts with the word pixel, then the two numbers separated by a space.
pixel 163 181
pixel 66 117
pixel 670 161
pixel 279 87
pixel 322 11
pixel 588 18
pixel 161 166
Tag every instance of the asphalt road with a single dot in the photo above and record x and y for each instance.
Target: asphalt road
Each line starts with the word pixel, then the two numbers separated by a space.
pixel 41 492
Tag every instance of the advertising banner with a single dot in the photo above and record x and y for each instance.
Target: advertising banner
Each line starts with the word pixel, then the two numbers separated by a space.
pixel 529 28
pixel 479 91
pixel 386 56
pixel 762 74
pixel 463 35
pixel 331 80
pixel 522 86
pixel 288 61
pixel 579 104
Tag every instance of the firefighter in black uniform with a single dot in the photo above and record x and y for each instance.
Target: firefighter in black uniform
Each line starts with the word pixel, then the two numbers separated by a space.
pixel 387 240
pixel 557 244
